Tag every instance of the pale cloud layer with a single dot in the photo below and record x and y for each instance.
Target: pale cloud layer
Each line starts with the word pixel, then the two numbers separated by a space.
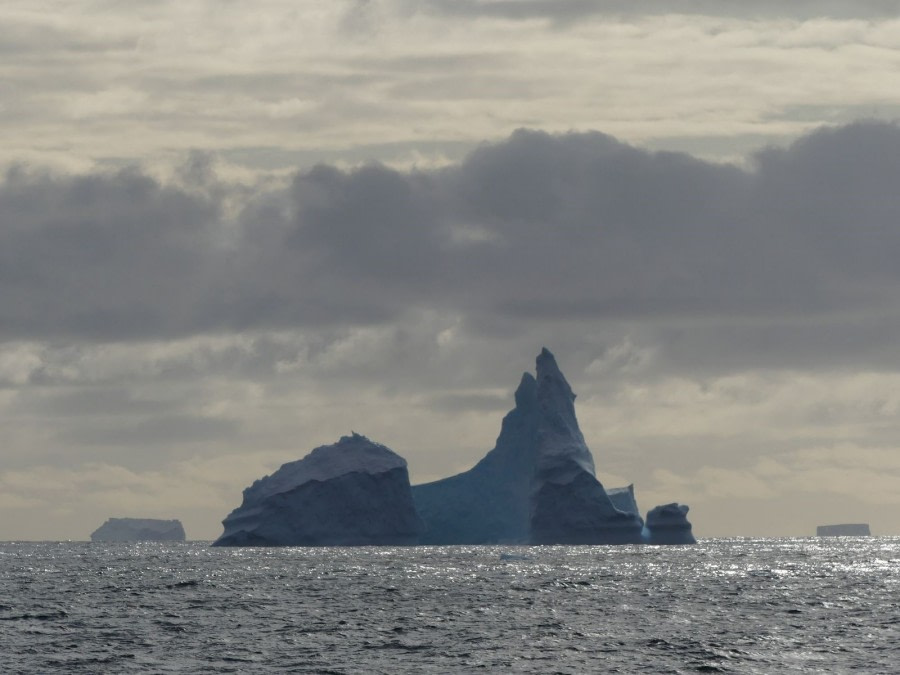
pixel 283 84
pixel 229 234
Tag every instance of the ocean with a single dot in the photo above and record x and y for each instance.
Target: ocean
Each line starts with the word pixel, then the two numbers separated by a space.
pixel 829 605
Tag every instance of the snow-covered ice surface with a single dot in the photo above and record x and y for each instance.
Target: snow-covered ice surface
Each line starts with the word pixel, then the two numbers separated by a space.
pixel 744 606
pixel 354 453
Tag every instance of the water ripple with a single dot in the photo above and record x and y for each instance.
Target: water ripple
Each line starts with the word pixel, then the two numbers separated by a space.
pixel 723 606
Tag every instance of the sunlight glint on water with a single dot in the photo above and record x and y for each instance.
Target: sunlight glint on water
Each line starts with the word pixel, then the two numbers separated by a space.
pixel 728 605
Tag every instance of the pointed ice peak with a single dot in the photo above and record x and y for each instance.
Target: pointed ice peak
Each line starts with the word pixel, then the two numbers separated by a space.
pixel 548 370
pixel 525 390
pixel 546 362
pixel 558 429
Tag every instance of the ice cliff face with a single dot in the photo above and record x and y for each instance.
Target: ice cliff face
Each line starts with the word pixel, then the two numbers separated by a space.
pixel 623 499
pixel 536 486
pixel 354 492
pixel 489 503
pixel 139 529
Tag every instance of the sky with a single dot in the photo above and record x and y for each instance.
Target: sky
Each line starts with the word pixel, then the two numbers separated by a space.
pixel 233 232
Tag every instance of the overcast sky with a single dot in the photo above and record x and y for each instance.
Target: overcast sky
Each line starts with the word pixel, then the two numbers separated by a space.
pixel 230 233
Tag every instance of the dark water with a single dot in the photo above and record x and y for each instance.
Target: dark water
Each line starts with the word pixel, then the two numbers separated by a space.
pixel 733 606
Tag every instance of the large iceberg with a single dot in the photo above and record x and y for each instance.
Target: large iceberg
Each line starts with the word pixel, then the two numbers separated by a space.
pixel 354 492
pixel 536 486
pixel 139 529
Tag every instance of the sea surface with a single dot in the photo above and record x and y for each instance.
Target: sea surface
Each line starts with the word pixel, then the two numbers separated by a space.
pixel 828 605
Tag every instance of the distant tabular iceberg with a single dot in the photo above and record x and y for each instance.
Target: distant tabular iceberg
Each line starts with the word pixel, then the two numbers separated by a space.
pixel 844 530
pixel 537 486
pixel 139 529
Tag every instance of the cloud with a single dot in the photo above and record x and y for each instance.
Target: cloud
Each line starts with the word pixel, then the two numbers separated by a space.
pixel 418 83
pixel 108 255
pixel 622 358
pixel 457 403
pixel 571 10
pixel 762 265
pixel 717 322
pixel 209 263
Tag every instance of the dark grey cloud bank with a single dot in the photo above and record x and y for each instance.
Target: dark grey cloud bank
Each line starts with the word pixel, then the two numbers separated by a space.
pixel 793 261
